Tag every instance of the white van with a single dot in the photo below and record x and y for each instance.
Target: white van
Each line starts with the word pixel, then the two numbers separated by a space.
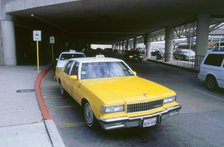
pixel 212 70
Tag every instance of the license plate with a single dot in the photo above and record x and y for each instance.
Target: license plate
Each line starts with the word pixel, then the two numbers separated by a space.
pixel 149 122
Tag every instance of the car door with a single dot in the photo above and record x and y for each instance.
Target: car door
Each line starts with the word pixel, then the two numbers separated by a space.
pixel 220 73
pixel 74 84
pixel 65 75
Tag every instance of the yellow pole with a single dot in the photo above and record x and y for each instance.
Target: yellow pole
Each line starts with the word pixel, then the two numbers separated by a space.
pixel 52 50
pixel 38 64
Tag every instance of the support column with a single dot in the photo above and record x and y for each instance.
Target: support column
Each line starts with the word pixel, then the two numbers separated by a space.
pixel 123 46
pixel 7 39
pixel 168 44
pixel 113 46
pixel 119 46
pixel 202 38
pixel 127 45
pixel 147 46
pixel 134 43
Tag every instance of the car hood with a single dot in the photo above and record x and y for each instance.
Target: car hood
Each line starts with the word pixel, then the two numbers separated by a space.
pixel 128 89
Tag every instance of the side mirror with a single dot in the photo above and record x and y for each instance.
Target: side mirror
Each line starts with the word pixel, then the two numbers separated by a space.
pixel 73 77
pixel 135 73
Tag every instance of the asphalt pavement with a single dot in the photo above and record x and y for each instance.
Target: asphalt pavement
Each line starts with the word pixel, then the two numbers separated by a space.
pixel 200 122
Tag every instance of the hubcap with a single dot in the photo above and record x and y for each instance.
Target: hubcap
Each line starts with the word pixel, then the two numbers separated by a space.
pixel 211 83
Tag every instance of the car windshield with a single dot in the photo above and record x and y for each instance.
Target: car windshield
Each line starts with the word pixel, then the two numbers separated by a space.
pixel 69 56
pixel 104 69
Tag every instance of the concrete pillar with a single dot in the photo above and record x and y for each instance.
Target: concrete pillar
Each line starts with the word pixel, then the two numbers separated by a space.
pixel 147 46
pixel 119 46
pixel 127 45
pixel 168 44
pixel 123 45
pixel 7 38
pixel 113 46
pixel 203 23
pixel 134 43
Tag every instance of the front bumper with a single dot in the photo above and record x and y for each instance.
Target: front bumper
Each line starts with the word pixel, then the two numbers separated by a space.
pixel 127 122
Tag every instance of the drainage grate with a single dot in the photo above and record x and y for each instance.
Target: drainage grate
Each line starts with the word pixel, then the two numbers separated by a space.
pixel 24 90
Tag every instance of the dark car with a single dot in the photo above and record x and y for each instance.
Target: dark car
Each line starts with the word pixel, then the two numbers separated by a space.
pixel 158 53
pixel 133 56
pixel 184 54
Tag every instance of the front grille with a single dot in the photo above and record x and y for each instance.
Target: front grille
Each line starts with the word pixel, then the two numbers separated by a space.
pixel 144 106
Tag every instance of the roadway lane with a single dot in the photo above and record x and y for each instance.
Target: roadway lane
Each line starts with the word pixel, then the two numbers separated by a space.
pixel 200 122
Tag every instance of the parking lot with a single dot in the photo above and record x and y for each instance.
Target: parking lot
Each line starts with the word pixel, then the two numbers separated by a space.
pixel 200 122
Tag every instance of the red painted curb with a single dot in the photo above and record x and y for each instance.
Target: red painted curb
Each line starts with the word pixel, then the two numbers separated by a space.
pixel 39 96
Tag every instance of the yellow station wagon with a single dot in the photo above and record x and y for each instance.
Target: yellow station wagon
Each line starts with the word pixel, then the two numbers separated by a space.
pixel 113 96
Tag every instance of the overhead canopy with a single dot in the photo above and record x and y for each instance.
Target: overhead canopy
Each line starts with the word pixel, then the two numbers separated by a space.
pixel 106 21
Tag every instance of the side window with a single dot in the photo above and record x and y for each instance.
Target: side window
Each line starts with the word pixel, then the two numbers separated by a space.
pixel 75 69
pixel 214 60
pixel 68 66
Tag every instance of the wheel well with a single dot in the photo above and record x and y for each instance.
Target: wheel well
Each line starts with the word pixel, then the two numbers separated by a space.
pixel 210 75
pixel 84 101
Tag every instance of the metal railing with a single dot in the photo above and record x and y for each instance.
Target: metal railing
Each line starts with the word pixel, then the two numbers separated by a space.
pixel 189 64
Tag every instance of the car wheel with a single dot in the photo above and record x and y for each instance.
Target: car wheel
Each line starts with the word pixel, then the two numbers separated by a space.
pixel 90 119
pixel 211 83
pixel 62 90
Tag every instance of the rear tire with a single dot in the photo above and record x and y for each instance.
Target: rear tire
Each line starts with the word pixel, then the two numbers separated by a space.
pixel 211 83
pixel 62 91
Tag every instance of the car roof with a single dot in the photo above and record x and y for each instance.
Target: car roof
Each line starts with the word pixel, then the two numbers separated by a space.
pixel 71 51
pixel 95 59
pixel 216 52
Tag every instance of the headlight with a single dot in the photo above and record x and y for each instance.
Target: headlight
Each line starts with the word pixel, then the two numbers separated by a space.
pixel 130 56
pixel 169 99
pixel 112 109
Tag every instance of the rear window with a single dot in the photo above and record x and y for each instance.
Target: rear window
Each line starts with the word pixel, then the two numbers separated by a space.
pixel 214 59
pixel 69 56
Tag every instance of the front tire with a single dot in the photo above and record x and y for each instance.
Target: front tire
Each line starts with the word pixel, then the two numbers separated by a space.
pixel 211 83
pixel 89 116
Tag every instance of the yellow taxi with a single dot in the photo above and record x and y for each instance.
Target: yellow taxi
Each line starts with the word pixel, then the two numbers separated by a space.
pixel 113 96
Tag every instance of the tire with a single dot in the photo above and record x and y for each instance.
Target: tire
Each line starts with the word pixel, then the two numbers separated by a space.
pixel 62 91
pixel 89 116
pixel 211 83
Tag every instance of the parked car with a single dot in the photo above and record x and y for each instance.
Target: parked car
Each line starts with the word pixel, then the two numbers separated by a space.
pixel 113 96
pixel 133 55
pixel 184 54
pixel 158 53
pixel 212 70
pixel 65 56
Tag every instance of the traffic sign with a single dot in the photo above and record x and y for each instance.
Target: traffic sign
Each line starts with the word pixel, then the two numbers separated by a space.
pixel 36 35
pixel 52 40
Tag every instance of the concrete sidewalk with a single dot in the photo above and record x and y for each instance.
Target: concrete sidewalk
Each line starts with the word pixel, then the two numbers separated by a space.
pixel 21 121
